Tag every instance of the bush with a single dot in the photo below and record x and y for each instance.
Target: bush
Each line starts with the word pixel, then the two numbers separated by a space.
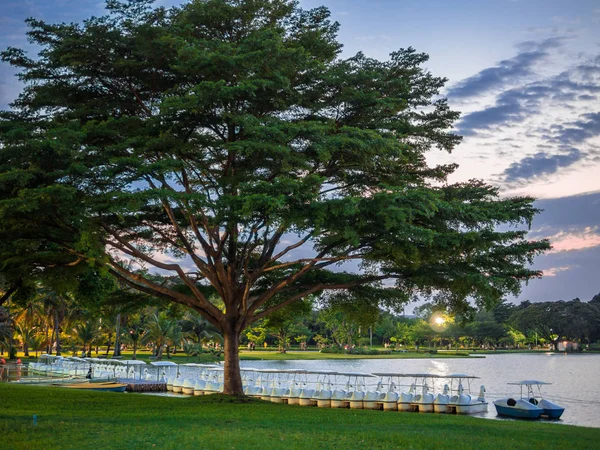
pixel 356 351
pixel 336 350
pixel 370 351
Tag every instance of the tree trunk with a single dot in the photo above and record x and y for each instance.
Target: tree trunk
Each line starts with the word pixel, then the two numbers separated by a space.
pixel 117 351
pixel 51 343
pixel 232 384
pixel 282 338
pixel 57 332
pixel 47 339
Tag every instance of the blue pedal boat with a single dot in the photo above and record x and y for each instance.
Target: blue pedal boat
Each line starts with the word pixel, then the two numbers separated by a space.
pixel 530 406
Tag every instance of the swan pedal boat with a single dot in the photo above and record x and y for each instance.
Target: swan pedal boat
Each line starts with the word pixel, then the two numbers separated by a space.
pixel 465 402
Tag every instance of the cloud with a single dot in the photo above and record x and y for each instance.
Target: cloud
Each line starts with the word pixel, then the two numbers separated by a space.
pixel 507 109
pixel 515 105
pixel 519 94
pixel 553 271
pixel 539 164
pixel 576 211
pixel 579 131
pixel 563 136
pixel 507 71
pixel 567 241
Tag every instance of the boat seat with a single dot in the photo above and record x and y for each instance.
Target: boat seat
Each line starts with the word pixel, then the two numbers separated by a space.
pixel 533 401
pixel 511 402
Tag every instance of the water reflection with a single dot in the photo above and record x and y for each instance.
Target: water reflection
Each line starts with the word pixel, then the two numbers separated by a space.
pixel 575 384
pixel 439 367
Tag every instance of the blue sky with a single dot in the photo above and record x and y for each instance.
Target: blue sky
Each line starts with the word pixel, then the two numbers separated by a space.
pixel 524 73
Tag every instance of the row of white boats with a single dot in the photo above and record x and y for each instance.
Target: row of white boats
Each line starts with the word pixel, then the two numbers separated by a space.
pixel 355 390
pixel 325 389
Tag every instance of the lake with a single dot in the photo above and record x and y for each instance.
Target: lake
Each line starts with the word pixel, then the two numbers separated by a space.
pixel 574 377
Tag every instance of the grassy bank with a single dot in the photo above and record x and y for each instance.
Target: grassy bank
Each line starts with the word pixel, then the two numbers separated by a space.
pixel 309 355
pixel 274 355
pixel 73 420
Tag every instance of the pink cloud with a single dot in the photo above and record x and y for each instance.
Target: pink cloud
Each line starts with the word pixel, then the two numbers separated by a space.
pixel 553 271
pixel 566 241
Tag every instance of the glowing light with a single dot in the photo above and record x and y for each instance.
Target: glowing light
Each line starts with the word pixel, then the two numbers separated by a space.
pixel 438 322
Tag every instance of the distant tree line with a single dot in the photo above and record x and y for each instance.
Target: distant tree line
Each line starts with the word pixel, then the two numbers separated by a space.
pixel 59 324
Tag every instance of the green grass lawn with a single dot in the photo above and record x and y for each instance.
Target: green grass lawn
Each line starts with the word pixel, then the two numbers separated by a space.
pixel 78 420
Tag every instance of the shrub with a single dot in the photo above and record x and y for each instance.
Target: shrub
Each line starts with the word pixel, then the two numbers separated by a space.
pixel 356 351
pixel 336 350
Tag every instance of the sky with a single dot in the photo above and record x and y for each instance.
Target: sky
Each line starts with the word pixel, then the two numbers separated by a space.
pixel 525 75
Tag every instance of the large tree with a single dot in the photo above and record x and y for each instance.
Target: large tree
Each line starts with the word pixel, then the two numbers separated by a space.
pixel 227 145
pixel 555 321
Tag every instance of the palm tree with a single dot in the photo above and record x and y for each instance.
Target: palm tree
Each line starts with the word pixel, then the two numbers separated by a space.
pixel 27 319
pixel 55 307
pixel 6 331
pixel 199 328
pixel 136 333
pixel 25 335
pixel 37 343
pixel 161 330
pixel 86 333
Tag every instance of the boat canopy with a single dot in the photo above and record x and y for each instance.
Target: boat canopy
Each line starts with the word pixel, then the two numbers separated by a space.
pixel 355 374
pixel 133 362
pixel 75 358
pixel 409 375
pixel 529 382
pixel 460 375
pixel 324 372
pixel 163 363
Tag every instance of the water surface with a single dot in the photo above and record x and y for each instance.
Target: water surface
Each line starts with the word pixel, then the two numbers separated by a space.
pixel 574 377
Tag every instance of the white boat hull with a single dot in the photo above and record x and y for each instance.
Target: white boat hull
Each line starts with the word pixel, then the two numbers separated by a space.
pixel 440 408
pixel 390 406
pixel 402 406
pixel 472 408
pixel 425 407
